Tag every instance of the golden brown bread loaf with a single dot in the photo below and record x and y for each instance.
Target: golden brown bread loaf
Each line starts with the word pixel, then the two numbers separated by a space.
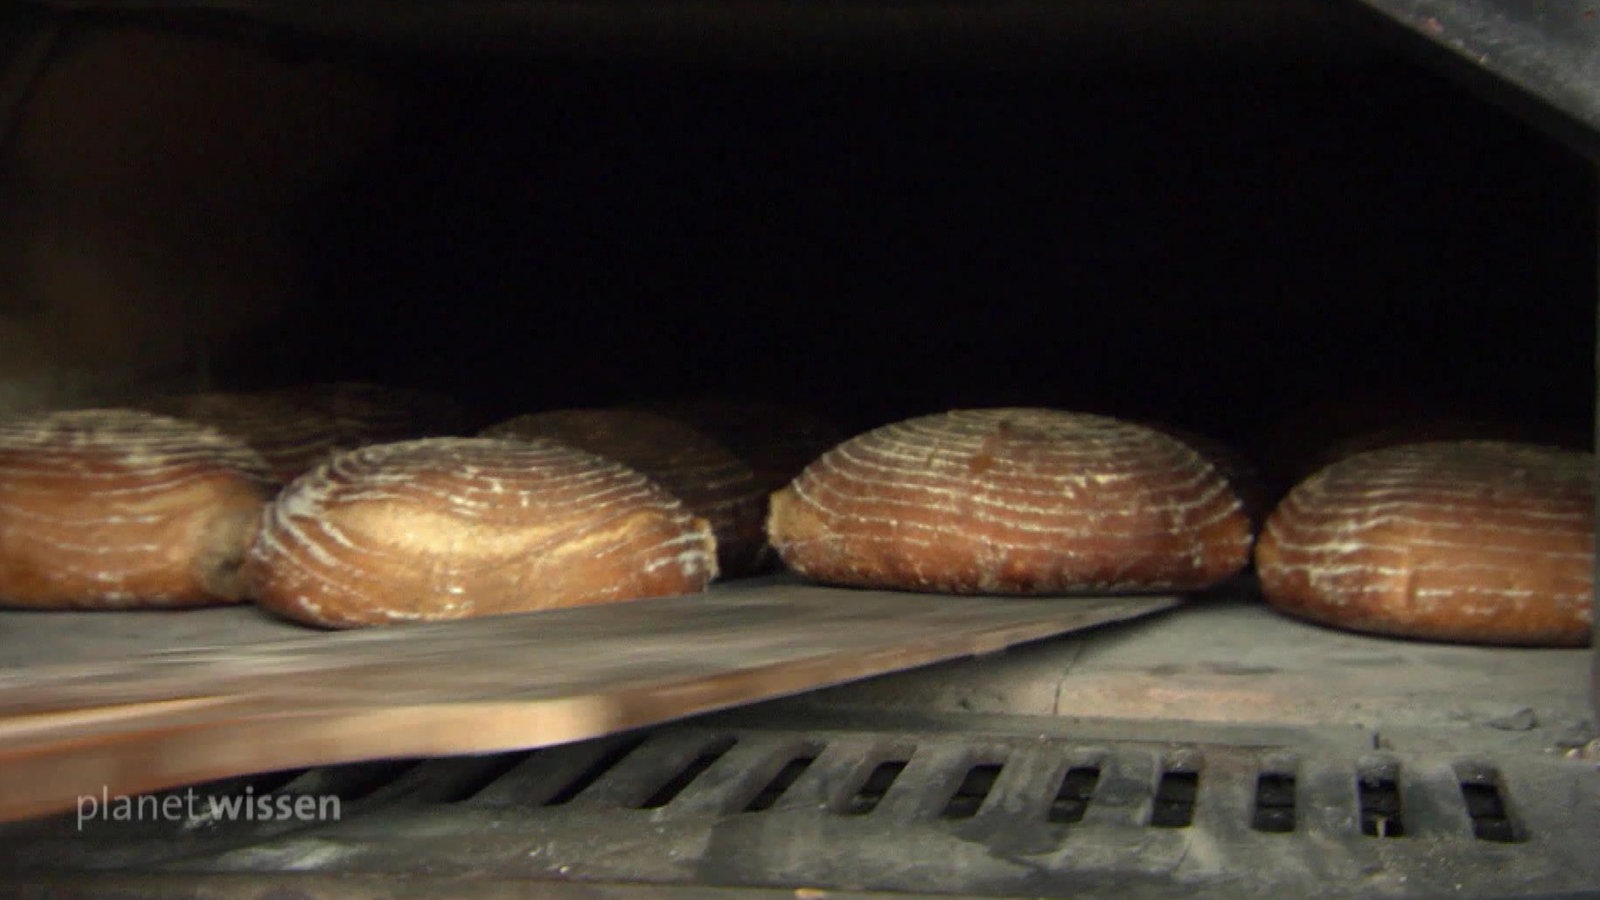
pixel 1246 479
pixel 296 428
pixel 291 437
pixel 447 528
pixel 1324 431
pixel 1440 430
pixel 712 482
pixel 119 509
pixel 776 441
pixel 1012 501
pixel 368 413
pixel 1478 541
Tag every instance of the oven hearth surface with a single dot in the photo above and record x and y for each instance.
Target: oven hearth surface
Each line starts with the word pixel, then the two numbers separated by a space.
pixel 1215 750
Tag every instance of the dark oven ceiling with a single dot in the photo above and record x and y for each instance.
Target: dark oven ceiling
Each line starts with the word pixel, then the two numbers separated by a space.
pixel 1542 58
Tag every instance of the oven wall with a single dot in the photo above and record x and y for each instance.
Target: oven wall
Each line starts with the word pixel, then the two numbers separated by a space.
pixel 1270 248
pixel 156 187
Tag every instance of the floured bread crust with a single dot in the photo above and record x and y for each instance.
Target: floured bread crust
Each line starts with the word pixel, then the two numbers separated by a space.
pixel 1475 541
pixel 1012 501
pixel 295 429
pixel 709 479
pixel 291 437
pixel 448 528
pixel 118 509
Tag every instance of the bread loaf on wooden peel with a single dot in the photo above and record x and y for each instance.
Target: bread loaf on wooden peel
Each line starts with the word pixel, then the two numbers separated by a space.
pixel 447 528
pixel 712 482
pixel 120 509
pixel 1475 541
pixel 1012 501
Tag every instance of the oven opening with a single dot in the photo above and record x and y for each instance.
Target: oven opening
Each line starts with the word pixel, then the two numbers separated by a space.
pixel 1279 232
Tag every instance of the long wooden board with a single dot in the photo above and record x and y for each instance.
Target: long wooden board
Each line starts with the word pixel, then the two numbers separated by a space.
pixel 166 719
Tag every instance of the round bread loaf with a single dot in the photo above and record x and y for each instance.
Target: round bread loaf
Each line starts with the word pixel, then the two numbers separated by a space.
pixel 119 509
pixel 294 429
pixel 378 414
pixel 1242 475
pixel 447 528
pixel 1442 430
pixel 292 437
pixel 776 441
pixel 712 482
pixel 1300 444
pixel 1474 541
pixel 1012 501
pixel 1294 445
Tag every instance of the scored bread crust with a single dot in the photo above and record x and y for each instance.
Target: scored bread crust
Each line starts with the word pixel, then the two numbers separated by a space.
pixel 1012 501
pixel 693 467
pixel 1469 541
pixel 120 509
pixel 447 528
pixel 291 437
pixel 776 441
pixel 1241 473
pixel 368 413
pixel 294 429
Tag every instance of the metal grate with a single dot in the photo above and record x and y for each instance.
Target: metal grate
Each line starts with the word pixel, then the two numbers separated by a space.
pixel 972 791
pixel 1175 796
pixel 1072 798
pixel 685 775
pixel 871 792
pixel 938 813
pixel 1486 804
pixel 1379 788
pixel 781 782
pixel 1274 803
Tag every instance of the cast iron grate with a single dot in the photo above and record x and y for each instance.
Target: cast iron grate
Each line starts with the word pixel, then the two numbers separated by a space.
pixel 1274 803
pixel 781 782
pixel 1486 804
pixel 866 798
pixel 974 788
pixel 1379 787
pixel 1174 799
pixel 1072 797
pixel 935 812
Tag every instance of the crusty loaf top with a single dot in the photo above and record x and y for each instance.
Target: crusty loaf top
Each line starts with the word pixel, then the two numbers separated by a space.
pixel 524 487
pixel 111 443
pixel 1012 500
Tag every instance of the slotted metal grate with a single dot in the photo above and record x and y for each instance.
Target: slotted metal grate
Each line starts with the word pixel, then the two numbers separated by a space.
pixel 938 813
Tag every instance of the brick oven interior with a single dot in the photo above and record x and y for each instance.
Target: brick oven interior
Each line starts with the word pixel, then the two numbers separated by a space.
pixel 1273 226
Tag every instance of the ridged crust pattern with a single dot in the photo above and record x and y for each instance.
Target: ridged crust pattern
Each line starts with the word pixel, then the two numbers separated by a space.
pixel 291 437
pixel 1242 474
pixel 710 480
pixel 379 414
pixel 1472 541
pixel 776 441
pixel 447 528
pixel 294 429
pixel 121 509
pixel 1012 501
